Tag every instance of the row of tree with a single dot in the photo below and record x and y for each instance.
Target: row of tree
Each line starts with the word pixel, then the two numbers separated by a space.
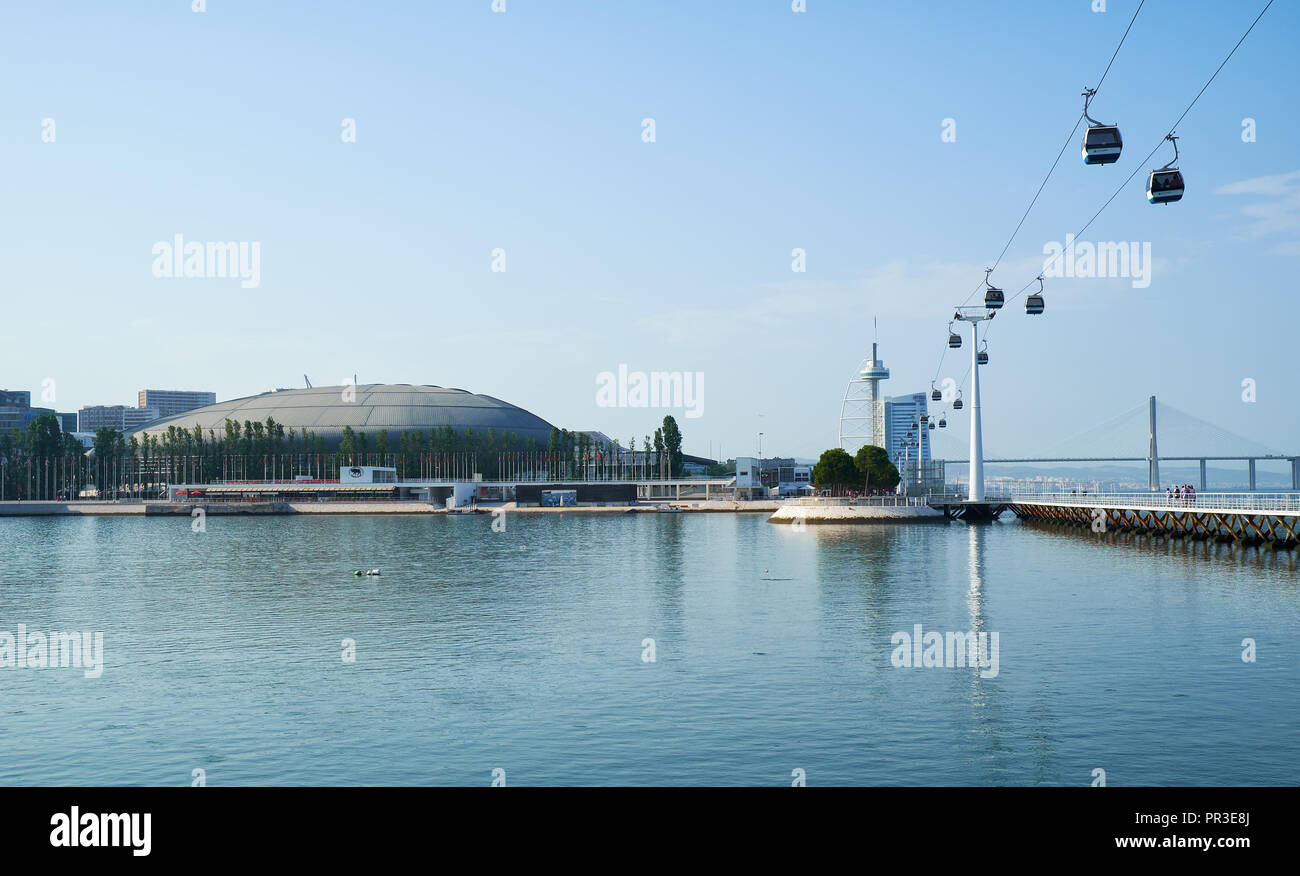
pixel 45 463
pixel 869 471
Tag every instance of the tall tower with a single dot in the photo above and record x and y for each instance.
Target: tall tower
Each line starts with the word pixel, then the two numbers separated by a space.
pixel 1153 457
pixel 862 416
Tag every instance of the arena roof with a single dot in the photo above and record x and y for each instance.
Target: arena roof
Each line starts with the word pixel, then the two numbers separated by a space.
pixel 369 408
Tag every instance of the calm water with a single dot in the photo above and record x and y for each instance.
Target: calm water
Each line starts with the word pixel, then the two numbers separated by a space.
pixel 522 651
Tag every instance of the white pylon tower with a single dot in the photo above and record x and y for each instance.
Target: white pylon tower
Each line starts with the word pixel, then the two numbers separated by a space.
pixel 862 415
pixel 974 316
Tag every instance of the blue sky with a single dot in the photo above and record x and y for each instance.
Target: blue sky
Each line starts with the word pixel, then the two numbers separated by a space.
pixel 774 130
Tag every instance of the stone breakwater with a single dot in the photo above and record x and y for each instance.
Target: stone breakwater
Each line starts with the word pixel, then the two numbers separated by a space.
pixel 857 514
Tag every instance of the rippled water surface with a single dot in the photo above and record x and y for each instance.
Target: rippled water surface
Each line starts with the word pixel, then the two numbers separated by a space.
pixel 522 650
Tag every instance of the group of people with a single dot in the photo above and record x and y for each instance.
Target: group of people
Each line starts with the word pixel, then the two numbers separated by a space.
pixel 1181 493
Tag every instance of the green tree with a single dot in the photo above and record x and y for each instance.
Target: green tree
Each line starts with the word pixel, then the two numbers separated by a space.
pixel 673 444
pixel 43 437
pixel 109 443
pixel 835 470
pixel 348 446
pixel 875 470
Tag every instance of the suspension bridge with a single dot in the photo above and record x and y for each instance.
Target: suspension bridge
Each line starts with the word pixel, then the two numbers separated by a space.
pixel 1194 441
pixel 1249 518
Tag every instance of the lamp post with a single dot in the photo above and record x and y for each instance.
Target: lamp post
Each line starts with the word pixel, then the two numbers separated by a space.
pixel 906 445
pixel 922 428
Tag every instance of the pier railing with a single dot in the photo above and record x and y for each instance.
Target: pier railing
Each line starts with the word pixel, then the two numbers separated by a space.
pixel 1263 502
pixel 872 501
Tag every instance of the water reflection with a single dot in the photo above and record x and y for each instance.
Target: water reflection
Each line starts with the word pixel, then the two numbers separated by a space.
pixel 1191 553
pixel 522 648
pixel 985 707
pixel 870 554
pixel 668 562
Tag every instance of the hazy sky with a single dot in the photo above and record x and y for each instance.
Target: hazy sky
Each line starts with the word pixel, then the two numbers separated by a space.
pixel 774 130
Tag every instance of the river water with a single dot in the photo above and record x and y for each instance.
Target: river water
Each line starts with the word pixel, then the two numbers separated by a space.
pixel 525 652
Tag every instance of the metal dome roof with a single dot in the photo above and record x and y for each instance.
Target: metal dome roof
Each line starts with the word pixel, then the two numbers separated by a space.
pixel 375 406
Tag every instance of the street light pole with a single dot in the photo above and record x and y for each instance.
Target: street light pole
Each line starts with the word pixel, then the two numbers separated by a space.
pixel 922 428
pixel 906 444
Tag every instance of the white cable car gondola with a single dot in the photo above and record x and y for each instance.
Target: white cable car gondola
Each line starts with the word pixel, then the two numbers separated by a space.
pixel 943 423
pixel 1034 303
pixel 935 395
pixel 982 357
pixel 956 405
pixel 1101 143
pixel 954 339
pixel 1165 185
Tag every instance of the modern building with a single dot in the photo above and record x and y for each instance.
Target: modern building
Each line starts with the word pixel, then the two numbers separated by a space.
pixel 119 417
pixel 368 408
pixel 747 472
pixel 775 468
pixel 749 478
pixel 15 409
pixel 16 412
pixel 791 480
pixel 901 414
pixel 169 402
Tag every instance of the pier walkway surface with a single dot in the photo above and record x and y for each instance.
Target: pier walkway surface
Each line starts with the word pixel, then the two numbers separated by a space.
pixel 1271 519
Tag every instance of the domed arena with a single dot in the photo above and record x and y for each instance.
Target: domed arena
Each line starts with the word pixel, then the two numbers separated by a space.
pixel 366 408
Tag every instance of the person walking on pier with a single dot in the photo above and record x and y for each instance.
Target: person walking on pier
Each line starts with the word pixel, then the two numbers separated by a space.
pixel 1169 495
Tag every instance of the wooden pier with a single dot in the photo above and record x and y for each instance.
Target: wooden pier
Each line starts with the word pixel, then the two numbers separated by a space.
pixel 1272 520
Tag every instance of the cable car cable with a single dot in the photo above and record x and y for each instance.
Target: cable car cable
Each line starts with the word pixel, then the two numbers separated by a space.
pixel 1097 87
pixel 1069 139
pixel 1142 163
